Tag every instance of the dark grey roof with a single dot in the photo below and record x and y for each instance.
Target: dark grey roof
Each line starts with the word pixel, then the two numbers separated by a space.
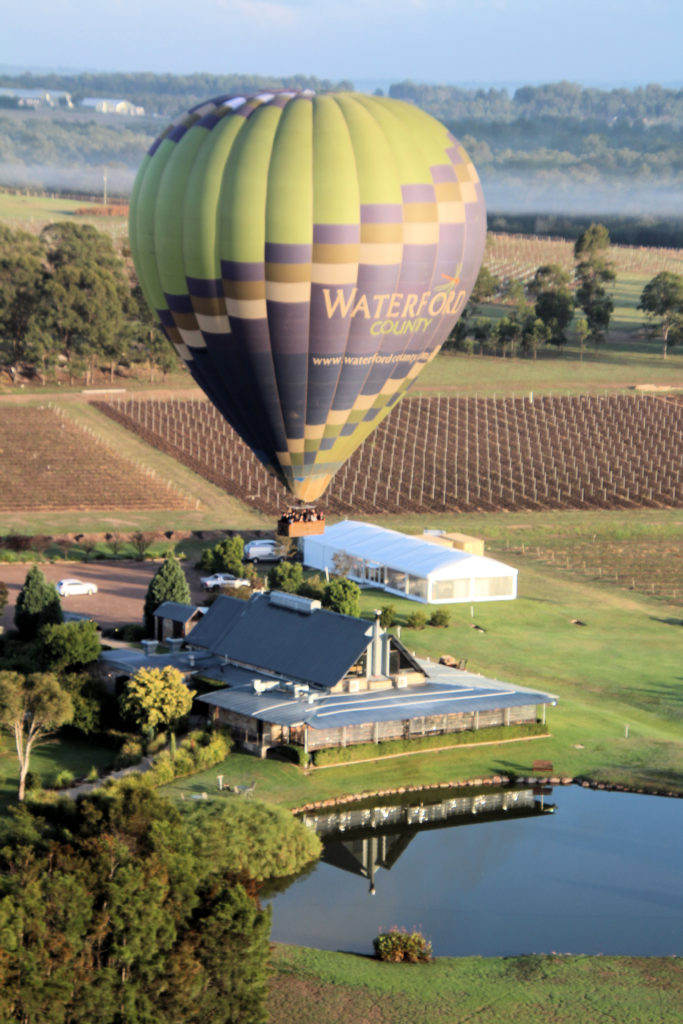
pixel 318 647
pixel 175 611
pixel 462 693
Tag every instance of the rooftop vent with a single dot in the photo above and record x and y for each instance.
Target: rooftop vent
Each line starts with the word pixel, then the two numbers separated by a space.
pixel 294 603
pixel 262 685
pixel 149 646
pixel 174 643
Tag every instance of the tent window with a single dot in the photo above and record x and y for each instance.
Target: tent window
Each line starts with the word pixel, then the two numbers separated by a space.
pixel 417 586
pixel 494 586
pixel 450 590
pixel 396 580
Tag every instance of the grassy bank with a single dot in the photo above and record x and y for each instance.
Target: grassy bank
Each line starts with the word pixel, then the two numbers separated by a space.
pixel 310 985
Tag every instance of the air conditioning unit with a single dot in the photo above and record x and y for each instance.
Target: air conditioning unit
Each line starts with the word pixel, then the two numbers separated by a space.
pixel 352 686
pixel 401 682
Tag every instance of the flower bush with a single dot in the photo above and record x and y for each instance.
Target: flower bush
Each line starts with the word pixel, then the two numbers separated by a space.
pixel 398 946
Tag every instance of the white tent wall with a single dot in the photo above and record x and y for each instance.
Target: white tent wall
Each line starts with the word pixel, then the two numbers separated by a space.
pixel 408 566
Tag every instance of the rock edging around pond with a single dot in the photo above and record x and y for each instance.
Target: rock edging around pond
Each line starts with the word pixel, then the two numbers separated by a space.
pixel 494 780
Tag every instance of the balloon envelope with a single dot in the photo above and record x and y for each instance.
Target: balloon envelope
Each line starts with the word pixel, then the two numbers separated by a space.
pixel 306 255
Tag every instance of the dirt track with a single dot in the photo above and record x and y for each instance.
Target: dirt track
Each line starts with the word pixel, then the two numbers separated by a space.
pixel 121 588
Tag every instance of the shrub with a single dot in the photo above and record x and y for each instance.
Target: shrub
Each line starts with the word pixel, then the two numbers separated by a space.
pixel 398 945
pixel 93 775
pixel 287 576
pixel 387 616
pixel 343 596
pixel 157 743
pixel 440 617
pixel 388 748
pixel 163 770
pixel 130 753
pixel 416 620
pixel 33 781
pixel 64 779
pixel 312 588
pixel 290 752
pixel 183 762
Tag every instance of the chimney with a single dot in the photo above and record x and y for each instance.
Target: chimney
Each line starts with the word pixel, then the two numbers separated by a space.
pixel 376 659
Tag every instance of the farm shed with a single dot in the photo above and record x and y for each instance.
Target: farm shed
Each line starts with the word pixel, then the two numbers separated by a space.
pixel 182 618
pixel 409 566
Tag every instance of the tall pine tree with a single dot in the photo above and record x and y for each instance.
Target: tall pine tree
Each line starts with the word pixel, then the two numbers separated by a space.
pixel 37 605
pixel 168 584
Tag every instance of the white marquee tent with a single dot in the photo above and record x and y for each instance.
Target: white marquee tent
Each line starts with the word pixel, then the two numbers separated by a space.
pixel 408 566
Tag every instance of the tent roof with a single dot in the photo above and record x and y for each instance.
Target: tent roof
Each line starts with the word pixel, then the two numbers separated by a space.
pixel 405 553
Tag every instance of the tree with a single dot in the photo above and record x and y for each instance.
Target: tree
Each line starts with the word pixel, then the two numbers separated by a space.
pixel 593 241
pixel 31 709
pixel 534 334
pixel 508 332
pixel 156 697
pixel 110 911
pixel 69 645
pixel 225 556
pixel 286 576
pixel 169 583
pixel 21 287
pixel 343 596
pixel 86 304
pixel 593 271
pixel 555 309
pixel 141 541
pixel 662 299
pixel 486 285
pixel 550 277
pixel 37 605
pixel 4 597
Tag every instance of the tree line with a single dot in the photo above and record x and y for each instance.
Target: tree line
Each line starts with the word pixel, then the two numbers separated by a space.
pixel 68 301
pixel 544 309
pixel 650 103
pixel 166 94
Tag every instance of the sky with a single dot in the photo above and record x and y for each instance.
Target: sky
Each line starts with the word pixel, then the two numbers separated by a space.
pixel 460 42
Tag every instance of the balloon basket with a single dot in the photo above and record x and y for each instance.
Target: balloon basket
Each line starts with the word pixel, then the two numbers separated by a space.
pixel 301 521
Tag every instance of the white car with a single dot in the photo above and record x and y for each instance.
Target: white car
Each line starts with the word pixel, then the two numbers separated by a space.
pixel 71 588
pixel 223 579
pixel 265 550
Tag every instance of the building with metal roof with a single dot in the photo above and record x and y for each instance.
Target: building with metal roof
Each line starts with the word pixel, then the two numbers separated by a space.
pixel 287 671
pixel 279 669
pixel 412 567
pixel 182 618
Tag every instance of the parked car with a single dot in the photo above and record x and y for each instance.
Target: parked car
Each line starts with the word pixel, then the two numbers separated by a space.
pixel 263 550
pixel 223 579
pixel 71 588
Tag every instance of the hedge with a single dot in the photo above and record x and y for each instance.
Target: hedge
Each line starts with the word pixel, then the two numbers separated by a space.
pixel 372 751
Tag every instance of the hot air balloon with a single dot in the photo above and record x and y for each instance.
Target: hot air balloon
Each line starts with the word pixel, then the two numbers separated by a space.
pixel 306 255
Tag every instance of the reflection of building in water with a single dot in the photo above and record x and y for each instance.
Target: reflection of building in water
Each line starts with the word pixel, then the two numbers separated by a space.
pixel 362 839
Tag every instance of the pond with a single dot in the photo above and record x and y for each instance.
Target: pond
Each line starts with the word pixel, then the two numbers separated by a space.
pixel 568 870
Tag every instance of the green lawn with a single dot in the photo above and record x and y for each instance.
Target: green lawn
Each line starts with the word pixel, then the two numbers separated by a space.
pixel 47 760
pixel 311 985
pixel 623 668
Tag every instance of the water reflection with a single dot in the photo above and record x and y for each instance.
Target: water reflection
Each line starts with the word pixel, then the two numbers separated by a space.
pixel 362 839
pixel 600 876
